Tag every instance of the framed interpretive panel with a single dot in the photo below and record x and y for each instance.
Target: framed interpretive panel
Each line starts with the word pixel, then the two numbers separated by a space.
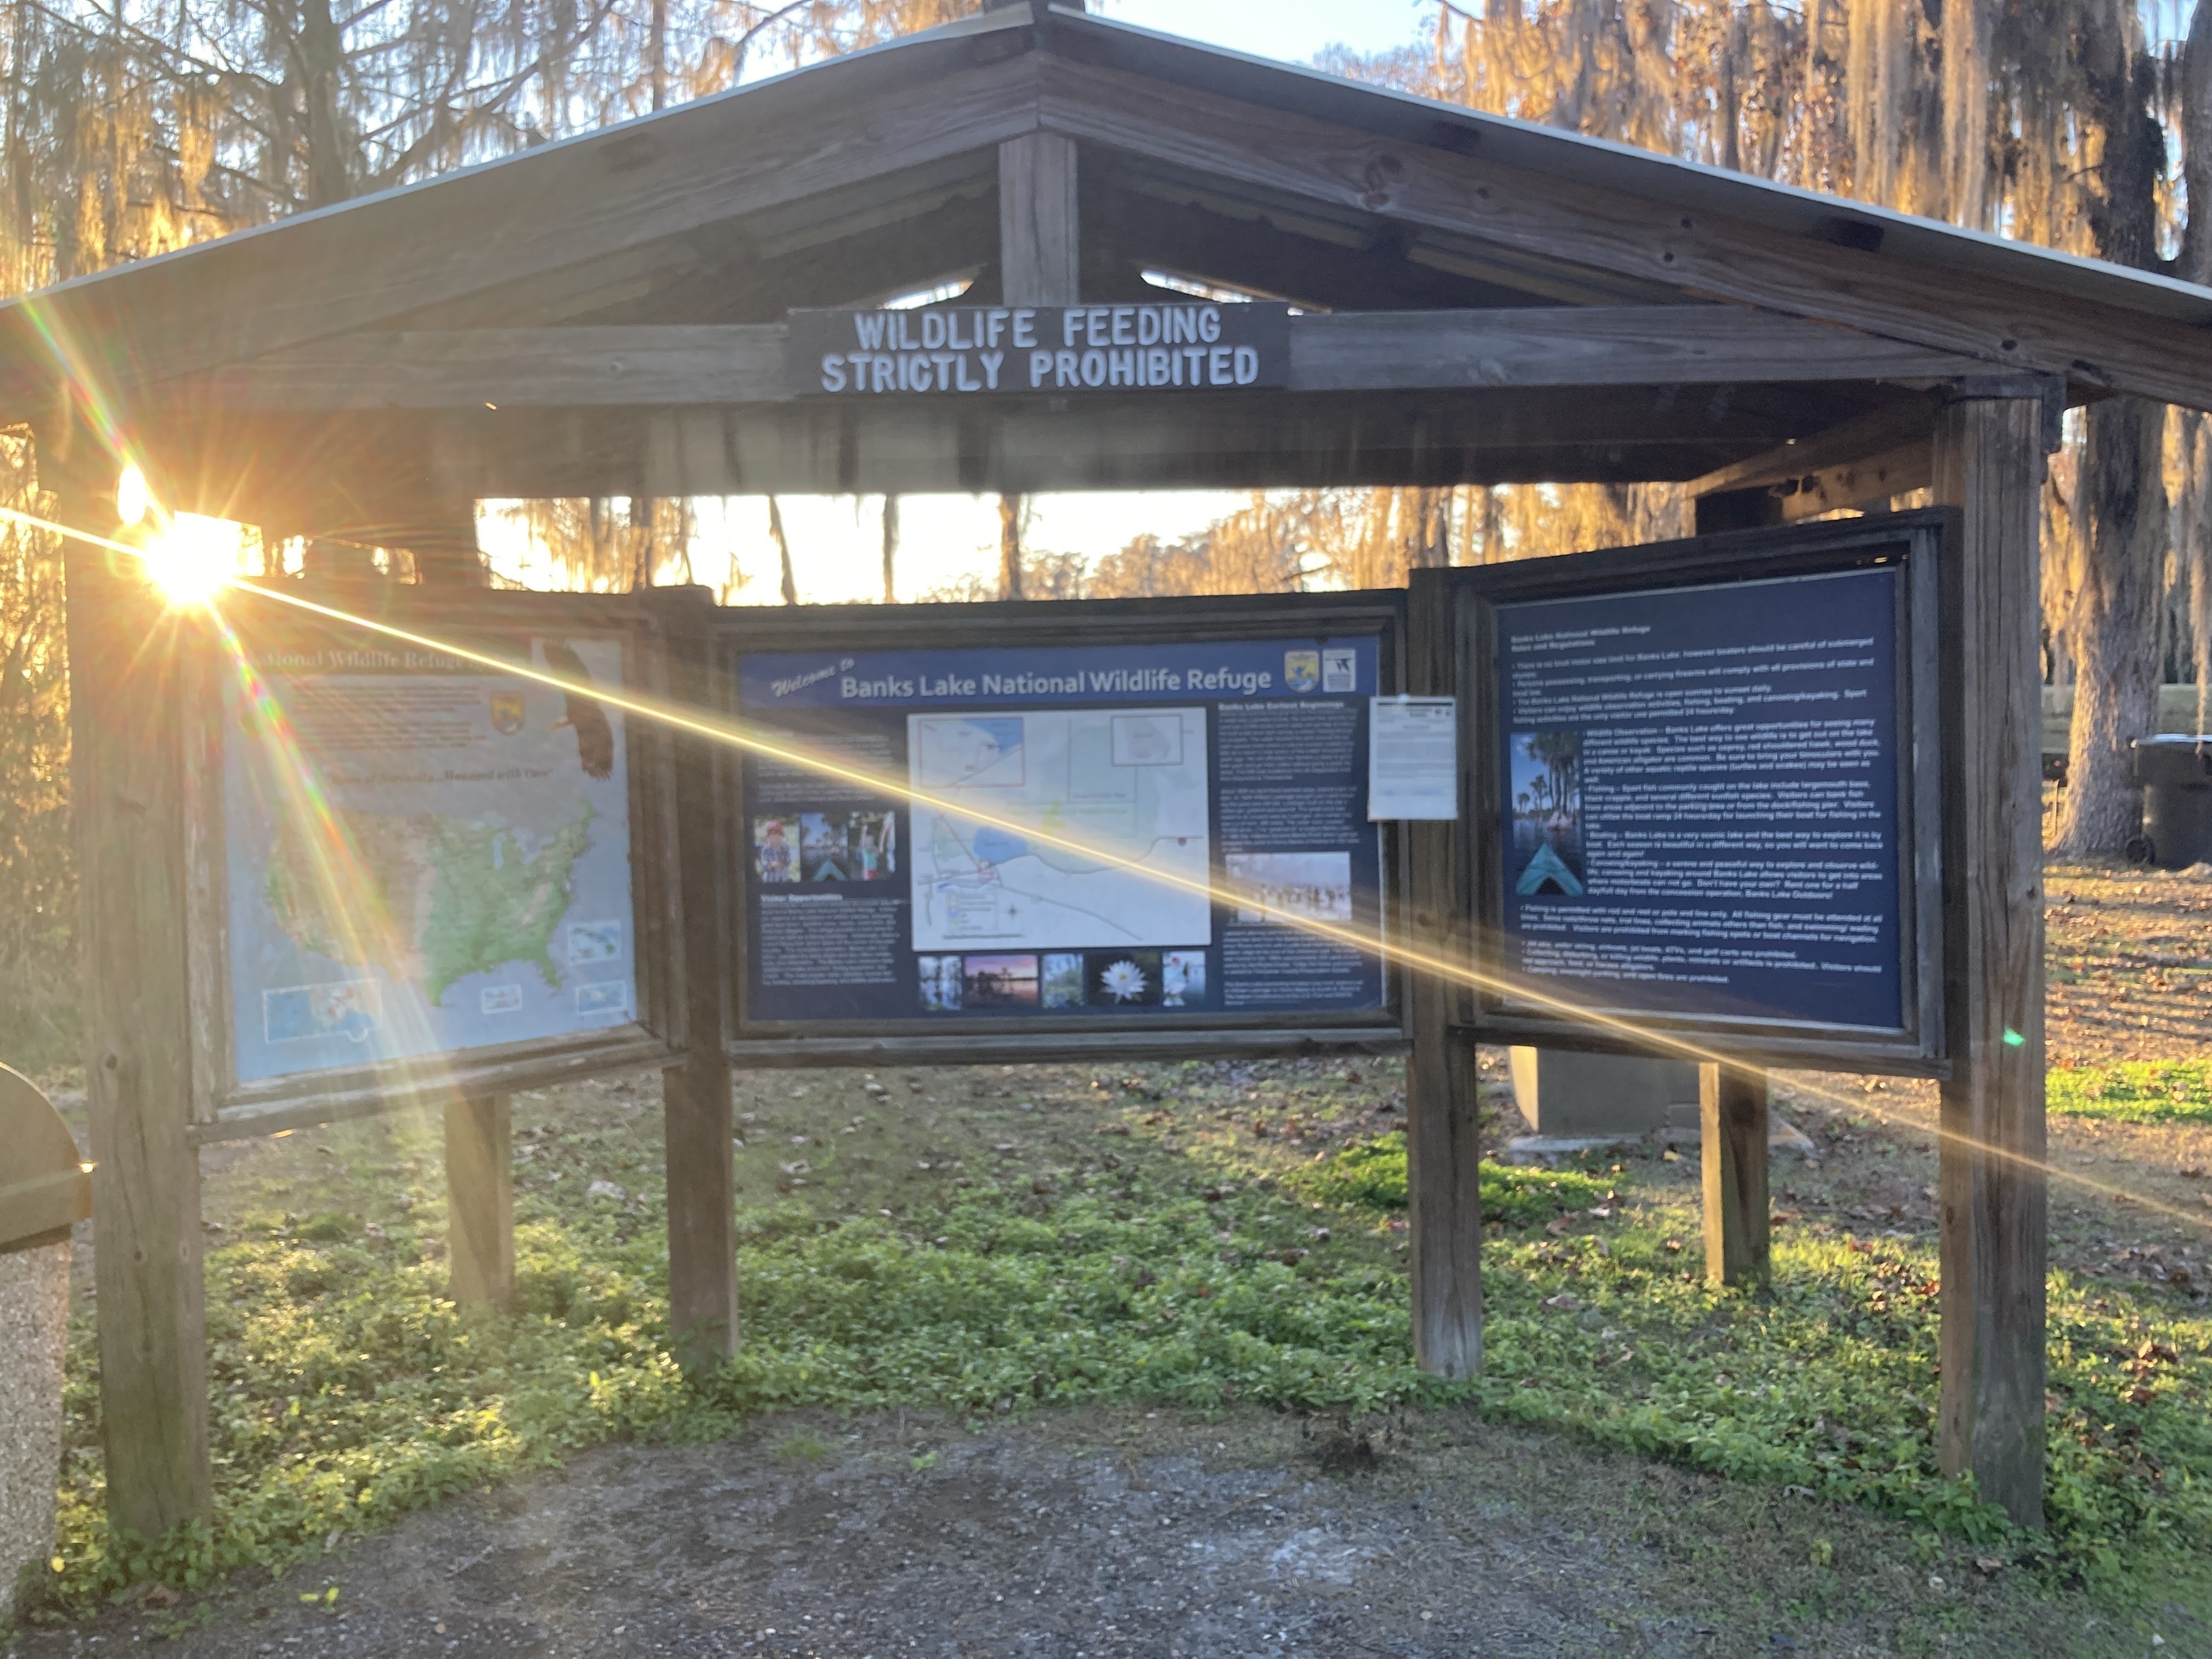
pixel 1019 830
pixel 1705 780
pixel 411 871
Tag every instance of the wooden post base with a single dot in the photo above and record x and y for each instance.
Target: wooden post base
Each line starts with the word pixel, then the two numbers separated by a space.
pixel 1443 1176
pixel 1988 463
pixel 480 1200
pixel 1732 1120
pixel 703 1218
pixel 126 711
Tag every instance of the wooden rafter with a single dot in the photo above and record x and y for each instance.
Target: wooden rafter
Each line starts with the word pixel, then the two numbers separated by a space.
pixel 740 363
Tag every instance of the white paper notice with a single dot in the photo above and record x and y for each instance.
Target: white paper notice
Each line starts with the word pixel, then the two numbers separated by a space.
pixel 1412 757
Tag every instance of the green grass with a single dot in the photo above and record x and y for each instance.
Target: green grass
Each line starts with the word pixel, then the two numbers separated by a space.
pixel 1373 1175
pixel 2135 1091
pixel 349 1390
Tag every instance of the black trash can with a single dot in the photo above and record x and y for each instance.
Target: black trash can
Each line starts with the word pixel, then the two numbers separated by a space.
pixel 2176 775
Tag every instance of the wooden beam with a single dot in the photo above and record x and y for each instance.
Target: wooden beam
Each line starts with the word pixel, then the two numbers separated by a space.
pixel 126 713
pixel 1443 1126
pixel 1869 483
pixel 515 220
pixel 1877 432
pixel 1987 462
pixel 689 364
pixel 1858 463
pixel 1732 1125
pixel 702 1225
pixel 349 474
pixel 1864 484
pixel 1038 250
pixel 1134 230
pixel 2015 325
pixel 480 1200
pixel 1594 346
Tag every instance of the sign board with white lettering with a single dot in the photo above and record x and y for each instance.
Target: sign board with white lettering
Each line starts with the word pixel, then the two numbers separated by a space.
pixel 1706 788
pixel 1170 345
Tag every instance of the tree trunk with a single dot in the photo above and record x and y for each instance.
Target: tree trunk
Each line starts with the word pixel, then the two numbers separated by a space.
pixel 1010 547
pixel 783 551
pixel 2123 489
pixel 2115 625
pixel 656 52
pixel 1967 29
pixel 322 55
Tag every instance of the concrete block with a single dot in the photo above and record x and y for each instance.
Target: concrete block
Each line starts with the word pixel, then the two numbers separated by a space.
pixel 1562 1093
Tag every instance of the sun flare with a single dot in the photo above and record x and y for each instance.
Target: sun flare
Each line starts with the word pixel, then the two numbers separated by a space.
pixel 192 558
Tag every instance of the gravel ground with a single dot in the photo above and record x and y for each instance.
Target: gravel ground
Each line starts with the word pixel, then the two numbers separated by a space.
pixel 1123 1534
pixel 1075 1536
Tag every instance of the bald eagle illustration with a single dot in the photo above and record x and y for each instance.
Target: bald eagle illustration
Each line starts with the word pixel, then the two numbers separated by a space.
pixel 595 739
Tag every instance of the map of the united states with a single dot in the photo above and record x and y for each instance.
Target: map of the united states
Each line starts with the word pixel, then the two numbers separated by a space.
pixel 426 899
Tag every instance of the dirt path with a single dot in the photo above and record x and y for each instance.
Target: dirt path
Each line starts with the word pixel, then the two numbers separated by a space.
pixel 2128 962
pixel 1086 1535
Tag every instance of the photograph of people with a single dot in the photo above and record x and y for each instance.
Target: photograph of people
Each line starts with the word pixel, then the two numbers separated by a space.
pixel 1271 885
pixel 773 851
pixel 875 836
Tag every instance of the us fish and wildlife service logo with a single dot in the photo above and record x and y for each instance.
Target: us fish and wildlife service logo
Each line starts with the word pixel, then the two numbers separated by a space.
pixel 506 713
pixel 1301 670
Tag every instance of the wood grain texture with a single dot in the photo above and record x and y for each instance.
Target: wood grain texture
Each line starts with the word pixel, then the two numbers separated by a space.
pixel 289 1103
pixel 207 922
pixel 2015 325
pixel 365 472
pixel 1039 1048
pixel 1878 432
pixel 126 719
pixel 470 368
pixel 674 363
pixel 1987 462
pixel 1732 1136
pixel 347 268
pixel 1040 254
pixel 1442 1138
pixel 1600 345
pixel 702 1226
pixel 480 1200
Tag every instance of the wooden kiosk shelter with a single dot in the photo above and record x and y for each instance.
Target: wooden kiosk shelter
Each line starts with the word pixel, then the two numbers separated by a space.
pixel 1479 300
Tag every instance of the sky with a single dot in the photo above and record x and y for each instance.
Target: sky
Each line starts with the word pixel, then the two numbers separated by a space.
pixel 837 542
pixel 1292 30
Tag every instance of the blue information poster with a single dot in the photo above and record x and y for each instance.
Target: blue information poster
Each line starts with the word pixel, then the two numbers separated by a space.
pixel 422 857
pixel 1071 832
pixel 1699 799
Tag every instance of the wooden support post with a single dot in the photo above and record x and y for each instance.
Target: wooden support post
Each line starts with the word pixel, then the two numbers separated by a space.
pixel 1988 463
pixel 1732 1123
pixel 1037 231
pixel 125 722
pixel 480 1200
pixel 479 1132
pixel 702 1198
pixel 1442 1140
